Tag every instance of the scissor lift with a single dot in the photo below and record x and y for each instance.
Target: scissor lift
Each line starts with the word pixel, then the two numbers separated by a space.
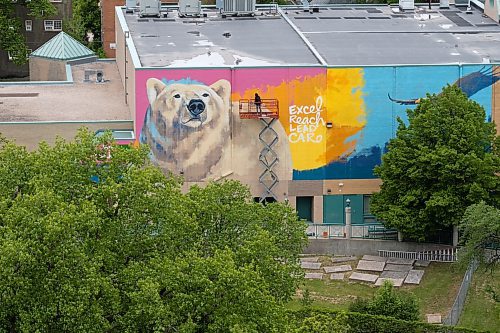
pixel 268 114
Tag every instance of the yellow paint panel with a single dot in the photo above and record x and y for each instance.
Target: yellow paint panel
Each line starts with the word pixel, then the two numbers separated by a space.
pixel 308 103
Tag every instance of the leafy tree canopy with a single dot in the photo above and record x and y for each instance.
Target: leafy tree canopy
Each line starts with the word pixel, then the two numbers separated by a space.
pixel 95 239
pixel 86 19
pixel 11 37
pixel 438 164
pixel 480 228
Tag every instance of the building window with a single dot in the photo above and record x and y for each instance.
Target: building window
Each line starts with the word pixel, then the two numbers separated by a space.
pixel 52 25
pixel 118 134
pixel 29 25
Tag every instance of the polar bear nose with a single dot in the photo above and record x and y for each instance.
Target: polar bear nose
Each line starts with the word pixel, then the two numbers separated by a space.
pixel 196 106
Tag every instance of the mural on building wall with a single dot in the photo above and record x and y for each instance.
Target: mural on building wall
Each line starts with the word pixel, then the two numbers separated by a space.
pixel 187 126
pixel 333 123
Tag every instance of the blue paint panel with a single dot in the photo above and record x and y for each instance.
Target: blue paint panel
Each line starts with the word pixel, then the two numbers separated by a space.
pixel 401 83
pixel 357 167
pixel 379 82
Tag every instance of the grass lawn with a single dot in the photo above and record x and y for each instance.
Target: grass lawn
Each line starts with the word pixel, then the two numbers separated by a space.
pixel 481 311
pixel 436 292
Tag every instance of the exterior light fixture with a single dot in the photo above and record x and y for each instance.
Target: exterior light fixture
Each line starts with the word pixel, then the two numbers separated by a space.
pixel 348 202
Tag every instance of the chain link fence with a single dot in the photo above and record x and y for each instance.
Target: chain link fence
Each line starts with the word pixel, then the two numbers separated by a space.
pixel 458 305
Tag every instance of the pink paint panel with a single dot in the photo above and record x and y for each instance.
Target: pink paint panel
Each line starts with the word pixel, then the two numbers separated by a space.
pixel 261 78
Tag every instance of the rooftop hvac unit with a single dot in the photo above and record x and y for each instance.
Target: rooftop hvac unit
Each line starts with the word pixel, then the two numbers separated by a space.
pixel 444 4
pixel 149 8
pixel 407 4
pixel 459 3
pixel 189 8
pixel 239 7
pixel 130 4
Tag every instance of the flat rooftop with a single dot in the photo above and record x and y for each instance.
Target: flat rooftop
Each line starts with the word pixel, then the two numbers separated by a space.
pixel 77 101
pixel 340 35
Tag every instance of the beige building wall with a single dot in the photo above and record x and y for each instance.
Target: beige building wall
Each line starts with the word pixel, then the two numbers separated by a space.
pixel 351 186
pixel 31 134
pixel 317 211
pixel 42 69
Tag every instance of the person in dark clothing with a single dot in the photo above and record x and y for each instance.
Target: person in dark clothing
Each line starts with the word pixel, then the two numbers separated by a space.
pixel 258 103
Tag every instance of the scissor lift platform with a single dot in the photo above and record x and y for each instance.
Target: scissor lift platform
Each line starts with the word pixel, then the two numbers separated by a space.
pixel 268 113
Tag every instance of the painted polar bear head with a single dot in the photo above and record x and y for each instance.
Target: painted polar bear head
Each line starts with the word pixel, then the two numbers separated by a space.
pixel 190 105
pixel 187 127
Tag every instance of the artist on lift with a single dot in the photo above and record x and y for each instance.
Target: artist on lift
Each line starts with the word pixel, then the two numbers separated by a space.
pixel 258 103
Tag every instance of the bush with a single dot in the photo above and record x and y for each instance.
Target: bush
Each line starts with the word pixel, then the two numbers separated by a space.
pixel 323 323
pixel 389 302
pixel 366 323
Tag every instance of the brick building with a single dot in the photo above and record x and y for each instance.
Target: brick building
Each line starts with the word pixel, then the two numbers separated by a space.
pixel 36 32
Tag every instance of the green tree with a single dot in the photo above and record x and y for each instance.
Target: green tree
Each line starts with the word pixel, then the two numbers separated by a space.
pixel 86 20
pixel 480 229
pixel 11 38
pixel 389 302
pixel 93 238
pixel 437 165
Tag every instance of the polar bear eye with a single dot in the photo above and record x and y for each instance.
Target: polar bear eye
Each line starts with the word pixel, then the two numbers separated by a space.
pixel 205 95
pixel 177 96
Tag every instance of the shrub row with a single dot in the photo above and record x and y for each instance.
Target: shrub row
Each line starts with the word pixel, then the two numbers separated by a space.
pixel 365 323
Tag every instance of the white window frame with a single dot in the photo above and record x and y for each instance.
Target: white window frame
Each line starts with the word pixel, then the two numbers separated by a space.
pixel 50 25
pixel 29 25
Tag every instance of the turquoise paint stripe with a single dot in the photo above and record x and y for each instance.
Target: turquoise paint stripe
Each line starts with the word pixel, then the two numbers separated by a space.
pixel 460 64
pixel 231 67
pixel 69 73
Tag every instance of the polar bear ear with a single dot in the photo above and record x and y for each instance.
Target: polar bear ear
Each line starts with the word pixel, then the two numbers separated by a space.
pixel 154 88
pixel 223 89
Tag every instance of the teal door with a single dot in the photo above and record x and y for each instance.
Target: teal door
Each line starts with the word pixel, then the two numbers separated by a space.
pixel 356 207
pixel 334 208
